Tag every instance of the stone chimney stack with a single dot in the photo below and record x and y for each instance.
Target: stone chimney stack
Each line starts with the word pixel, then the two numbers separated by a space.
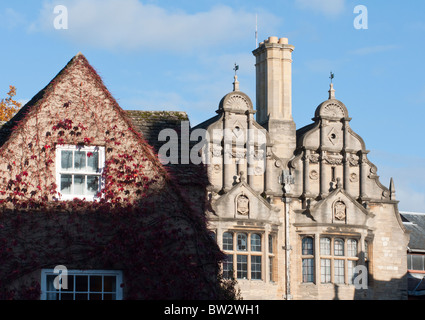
pixel 274 93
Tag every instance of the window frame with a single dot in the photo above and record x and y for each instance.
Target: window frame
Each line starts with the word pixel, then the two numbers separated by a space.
pixel 308 260
pixel 99 172
pixel 76 272
pixel 348 260
pixel 253 268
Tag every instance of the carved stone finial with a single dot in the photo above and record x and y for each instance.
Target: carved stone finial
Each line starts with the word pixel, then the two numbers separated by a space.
pixel 241 175
pixel 338 183
pixel 392 189
pixel 236 84
pixel 332 92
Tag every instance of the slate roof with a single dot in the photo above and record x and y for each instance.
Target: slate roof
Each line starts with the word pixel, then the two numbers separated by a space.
pixel 151 123
pixel 415 223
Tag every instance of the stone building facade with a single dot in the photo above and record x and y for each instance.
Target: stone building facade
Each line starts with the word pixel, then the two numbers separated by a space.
pixel 300 214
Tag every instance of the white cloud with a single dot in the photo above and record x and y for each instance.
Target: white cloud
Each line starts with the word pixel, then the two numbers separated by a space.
pixel 326 7
pixel 131 24
pixel 10 18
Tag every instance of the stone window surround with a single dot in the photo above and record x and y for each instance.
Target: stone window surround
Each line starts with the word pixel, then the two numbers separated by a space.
pixel 267 275
pixel 362 244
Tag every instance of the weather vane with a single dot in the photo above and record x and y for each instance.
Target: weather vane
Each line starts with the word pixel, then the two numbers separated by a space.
pixel 332 76
pixel 236 68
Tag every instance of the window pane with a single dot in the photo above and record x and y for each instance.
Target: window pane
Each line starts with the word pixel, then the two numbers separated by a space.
pixel 95 284
pixel 242 267
pixel 325 270
pixel 417 262
pixel 79 184
pixel 80 160
pixel 109 283
pixel 271 274
pixel 66 182
pixel 350 270
pixel 366 250
pixel 270 243
pixel 409 261
pixel 339 247
pixel 228 267
pixel 81 283
pixel 256 267
pixel 307 246
pixel 352 247
pixel 325 246
pixel 242 242
pixel 70 284
pixel 255 242
pixel 308 270
pixel 92 161
pixel 339 271
pixel 227 241
pixel 66 160
pixel 92 185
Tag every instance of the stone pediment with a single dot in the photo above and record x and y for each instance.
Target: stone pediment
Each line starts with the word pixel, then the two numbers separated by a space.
pixel 339 208
pixel 242 202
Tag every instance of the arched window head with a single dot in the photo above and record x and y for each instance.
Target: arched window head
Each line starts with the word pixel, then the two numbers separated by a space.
pixel 307 246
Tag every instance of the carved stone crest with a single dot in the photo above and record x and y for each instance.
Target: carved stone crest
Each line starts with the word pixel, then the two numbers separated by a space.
pixel 339 211
pixel 242 205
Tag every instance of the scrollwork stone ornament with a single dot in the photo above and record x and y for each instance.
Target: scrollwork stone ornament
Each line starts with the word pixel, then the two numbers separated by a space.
pixel 332 110
pixel 237 102
pixel 334 159
pixel 354 177
pixel 353 160
pixel 314 175
pixel 314 158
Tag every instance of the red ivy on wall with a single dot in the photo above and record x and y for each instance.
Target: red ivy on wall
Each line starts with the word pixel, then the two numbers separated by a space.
pixel 143 222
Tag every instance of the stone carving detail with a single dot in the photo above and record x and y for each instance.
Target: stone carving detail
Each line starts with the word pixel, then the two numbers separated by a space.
pixel 216 151
pixel 242 205
pixel 332 136
pixel 237 102
pixel 339 211
pixel 314 175
pixel 314 158
pixel 353 160
pixel 333 110
pixel 354 177
pixel 334 159
pixel 239 153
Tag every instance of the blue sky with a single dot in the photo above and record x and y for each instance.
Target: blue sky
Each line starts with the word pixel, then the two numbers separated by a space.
pixel 179 55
